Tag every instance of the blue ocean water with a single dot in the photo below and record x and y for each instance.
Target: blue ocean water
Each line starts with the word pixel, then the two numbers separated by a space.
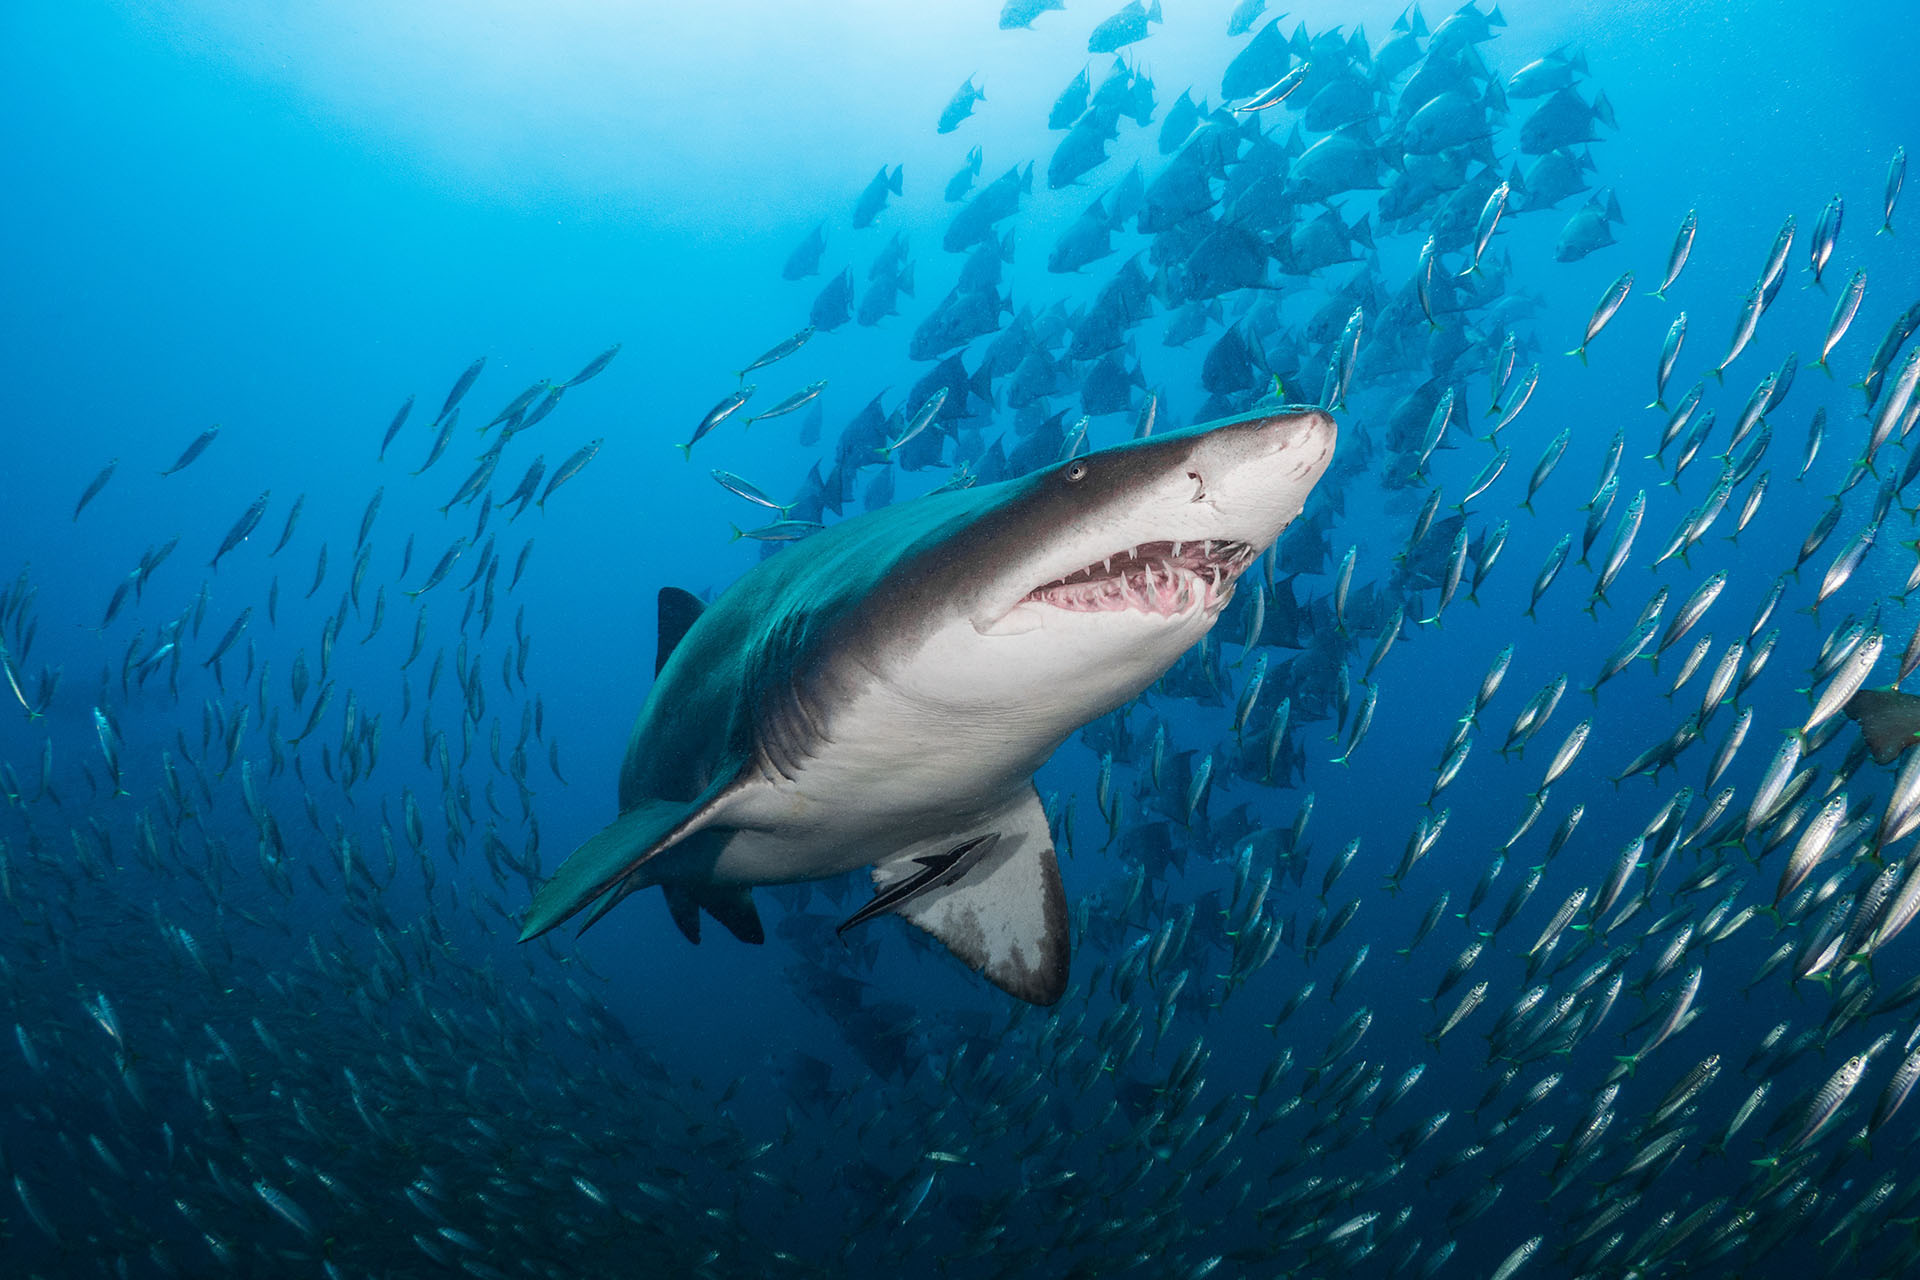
pixel 269 1014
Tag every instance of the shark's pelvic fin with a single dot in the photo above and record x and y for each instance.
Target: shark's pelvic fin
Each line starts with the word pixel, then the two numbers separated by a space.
pixel 613 853
pixel 730 904
pixel 684 910
pixel 679 610
pixel 1006 915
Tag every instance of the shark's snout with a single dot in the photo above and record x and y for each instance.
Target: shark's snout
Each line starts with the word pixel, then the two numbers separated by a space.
pixel 1160 529
pixel 1296 429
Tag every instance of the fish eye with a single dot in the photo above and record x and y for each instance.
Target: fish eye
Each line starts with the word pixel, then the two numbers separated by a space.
pixel 1076 472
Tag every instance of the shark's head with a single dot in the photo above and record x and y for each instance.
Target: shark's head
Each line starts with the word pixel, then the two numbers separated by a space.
pixel 1154 532
pixel 1087 580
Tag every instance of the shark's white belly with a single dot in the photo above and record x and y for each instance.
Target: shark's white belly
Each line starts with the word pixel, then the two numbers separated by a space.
pixel 895 772
pixel 943 742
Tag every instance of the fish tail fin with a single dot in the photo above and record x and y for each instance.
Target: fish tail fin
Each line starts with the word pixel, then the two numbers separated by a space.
pixel 1581 351
pixel 1888 719
pixel 1822 365
pixel 686 451
pixel 1659 293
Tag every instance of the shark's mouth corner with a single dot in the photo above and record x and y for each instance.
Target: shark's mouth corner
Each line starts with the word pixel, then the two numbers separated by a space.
pixel 1166 579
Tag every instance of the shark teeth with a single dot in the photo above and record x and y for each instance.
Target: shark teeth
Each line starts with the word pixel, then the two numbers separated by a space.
pixel 1165 579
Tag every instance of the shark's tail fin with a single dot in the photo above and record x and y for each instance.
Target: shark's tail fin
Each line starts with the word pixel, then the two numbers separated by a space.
pixel 611 856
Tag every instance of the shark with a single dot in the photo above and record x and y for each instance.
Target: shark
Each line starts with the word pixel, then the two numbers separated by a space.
pixel 880 694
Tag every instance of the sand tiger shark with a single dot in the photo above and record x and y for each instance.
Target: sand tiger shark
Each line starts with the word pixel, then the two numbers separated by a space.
pixel 880 694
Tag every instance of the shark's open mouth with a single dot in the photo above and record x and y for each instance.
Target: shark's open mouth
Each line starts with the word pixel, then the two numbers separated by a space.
pixel 1165 578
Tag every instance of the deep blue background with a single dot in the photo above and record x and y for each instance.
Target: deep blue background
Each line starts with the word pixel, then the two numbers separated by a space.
pixel 287 226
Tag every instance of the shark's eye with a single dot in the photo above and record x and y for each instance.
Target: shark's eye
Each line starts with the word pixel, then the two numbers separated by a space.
pixel 1076 472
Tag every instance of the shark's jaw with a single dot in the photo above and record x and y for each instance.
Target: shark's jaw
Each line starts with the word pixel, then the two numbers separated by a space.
pixel 1164 579
pixel 1145 534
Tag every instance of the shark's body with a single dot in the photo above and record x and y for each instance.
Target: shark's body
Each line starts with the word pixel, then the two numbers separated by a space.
pixel 882 693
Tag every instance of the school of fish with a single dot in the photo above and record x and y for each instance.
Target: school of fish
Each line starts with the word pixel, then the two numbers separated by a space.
pixel 262 981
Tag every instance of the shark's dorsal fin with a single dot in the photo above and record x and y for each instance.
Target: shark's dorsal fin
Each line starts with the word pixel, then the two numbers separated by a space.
pixel 1889 719
pixel 1006 916
pixel 679 610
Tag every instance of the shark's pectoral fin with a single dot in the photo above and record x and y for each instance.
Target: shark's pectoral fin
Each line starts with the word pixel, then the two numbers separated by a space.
pixel 919 875
pixel 612 855
pixel 1005 914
